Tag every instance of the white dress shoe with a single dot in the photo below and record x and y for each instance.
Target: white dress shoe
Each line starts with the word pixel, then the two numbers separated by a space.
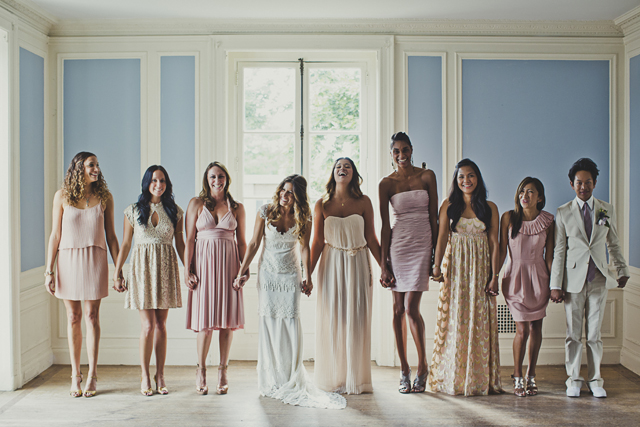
pixel 598 392
pixel 573 391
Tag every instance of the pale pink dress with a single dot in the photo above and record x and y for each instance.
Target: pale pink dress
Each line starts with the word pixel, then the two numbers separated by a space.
pixel 214 304
pixel 82 271
pixel 411 242
pixel 525 284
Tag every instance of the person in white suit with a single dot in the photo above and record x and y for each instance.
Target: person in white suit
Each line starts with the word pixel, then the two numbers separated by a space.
pixel 585 230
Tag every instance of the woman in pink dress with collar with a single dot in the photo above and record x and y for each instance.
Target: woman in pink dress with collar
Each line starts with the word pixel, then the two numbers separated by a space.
pixel 528 233
pixel 407 250
pixel 215 226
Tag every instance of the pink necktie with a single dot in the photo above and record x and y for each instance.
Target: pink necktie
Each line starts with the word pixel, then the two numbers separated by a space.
pixel 588 227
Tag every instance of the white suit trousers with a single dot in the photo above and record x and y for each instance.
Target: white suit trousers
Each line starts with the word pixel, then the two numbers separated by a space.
pixel 589 303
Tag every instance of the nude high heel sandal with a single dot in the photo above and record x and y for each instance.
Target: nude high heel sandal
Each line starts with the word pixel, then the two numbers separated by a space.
pixel 78 392
pixel 222 389
pixel 201 389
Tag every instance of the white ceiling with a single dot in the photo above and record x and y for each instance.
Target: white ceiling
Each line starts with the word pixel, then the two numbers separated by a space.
pixel 582 10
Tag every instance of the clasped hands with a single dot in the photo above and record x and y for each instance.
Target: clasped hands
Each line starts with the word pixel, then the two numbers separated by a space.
pixel 119 284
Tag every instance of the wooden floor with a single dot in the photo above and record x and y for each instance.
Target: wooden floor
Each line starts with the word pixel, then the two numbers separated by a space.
pixel 45 401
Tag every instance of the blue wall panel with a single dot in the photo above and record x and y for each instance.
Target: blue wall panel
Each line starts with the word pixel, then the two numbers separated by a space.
pixel 425 112
pixel 178 135
pixel 634 124
pixel 535 118
pixel 102 115
pixel 32 238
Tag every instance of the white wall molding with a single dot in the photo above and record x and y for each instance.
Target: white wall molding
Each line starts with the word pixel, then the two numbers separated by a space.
pixel 75 28
pixel 31 14
pixel 629 22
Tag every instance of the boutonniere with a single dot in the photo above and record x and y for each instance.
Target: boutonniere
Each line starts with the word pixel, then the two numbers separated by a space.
pixel 603 218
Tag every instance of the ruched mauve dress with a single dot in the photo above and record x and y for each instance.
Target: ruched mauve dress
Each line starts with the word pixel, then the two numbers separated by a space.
pixel 214 304
pixel 411 241
pixel 82 272
pixel 525 284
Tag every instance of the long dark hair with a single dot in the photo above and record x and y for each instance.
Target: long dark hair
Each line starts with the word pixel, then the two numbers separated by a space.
pixel 515 219
pixel 354 185
pixel 168 202
pixel 301 210
pixel 478 199
pixel 205 194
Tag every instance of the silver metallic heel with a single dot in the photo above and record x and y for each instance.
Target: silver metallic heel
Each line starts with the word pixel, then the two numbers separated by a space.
pixel 420 383
pixel 518 386
pixel 532 387
pixel 405 383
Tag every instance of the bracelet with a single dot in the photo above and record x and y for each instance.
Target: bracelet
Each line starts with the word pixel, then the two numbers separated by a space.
pixel 436 278
pixel 497 274
pixel 48 273
pixel 435 266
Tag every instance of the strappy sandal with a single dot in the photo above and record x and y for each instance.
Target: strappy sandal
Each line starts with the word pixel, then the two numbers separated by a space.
pixel 78 392
pixel 532 387
pixel 201 389
pixel 420 383
pixel 518 386
pixel 222 389
pixel 90 393
pixel 148 392
pixel 405 383
pixel 160 390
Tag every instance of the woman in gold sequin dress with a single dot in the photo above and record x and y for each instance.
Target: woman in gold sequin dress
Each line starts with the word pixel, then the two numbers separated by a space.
pixel 465 357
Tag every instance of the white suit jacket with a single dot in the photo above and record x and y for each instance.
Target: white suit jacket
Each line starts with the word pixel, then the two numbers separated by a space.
pixel 572 251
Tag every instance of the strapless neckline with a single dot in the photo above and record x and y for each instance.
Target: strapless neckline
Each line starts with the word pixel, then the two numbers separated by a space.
pixel 410 191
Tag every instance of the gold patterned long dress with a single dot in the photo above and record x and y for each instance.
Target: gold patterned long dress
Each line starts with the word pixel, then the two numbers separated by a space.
pixel 466 357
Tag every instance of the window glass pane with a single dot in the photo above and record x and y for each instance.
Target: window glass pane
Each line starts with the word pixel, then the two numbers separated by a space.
pixel 325 149
pixel 269 96
pixel 335 99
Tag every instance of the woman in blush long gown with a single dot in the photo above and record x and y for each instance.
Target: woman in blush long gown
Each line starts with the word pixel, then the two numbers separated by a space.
pixel 82 216
pixel 466 357
pixel 284 226
pixel 343 235
pixel 407 250
pixel 215 225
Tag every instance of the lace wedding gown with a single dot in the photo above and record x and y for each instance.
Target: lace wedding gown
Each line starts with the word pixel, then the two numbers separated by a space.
pixel 281 374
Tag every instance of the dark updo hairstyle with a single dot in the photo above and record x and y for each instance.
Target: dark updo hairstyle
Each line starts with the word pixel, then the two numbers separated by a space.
pixel 515 218
pixel 400 136
pixel 168 202
pixel 584 164
pixel 479 203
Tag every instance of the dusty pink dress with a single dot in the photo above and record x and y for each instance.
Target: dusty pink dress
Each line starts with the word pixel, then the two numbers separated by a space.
pixel 82 272
pixel 411 243
pixel 214 304
pixel 525 284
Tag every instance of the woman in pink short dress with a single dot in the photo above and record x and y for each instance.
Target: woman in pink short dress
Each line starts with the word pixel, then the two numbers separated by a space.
pixel 407 250
pixel 528 233
pixel 215 225
pixel 82 215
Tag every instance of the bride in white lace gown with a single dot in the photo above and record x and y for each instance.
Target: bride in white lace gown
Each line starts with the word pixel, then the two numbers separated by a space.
pixel 283 226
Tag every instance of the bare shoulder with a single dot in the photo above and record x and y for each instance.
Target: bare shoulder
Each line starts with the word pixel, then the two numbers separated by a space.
pixel 492 205
pixel 427 176
pixel 59 196
pixel 195 202
pixel 365 201
pixel 506 216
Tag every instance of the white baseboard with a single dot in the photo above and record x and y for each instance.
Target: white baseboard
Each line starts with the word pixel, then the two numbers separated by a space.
pixel 34 366
pixel 630 360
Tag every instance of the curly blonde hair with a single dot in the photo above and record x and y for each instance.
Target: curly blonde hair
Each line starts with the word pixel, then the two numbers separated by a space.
pixel 301 210
pixel 354 185
pixel 73 185
pixel 205 193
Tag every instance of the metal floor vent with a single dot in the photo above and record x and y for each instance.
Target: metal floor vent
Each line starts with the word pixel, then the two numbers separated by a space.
pixel 506 324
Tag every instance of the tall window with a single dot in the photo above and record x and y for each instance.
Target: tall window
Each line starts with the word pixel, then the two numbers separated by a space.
pixel 297 117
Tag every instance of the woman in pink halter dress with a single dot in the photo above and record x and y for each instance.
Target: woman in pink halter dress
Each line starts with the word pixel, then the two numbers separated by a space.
pixel 215 243
pixel 82 215
pixel 407 250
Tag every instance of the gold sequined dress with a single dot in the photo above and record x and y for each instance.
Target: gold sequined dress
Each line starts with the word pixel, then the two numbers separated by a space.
pixel 466 358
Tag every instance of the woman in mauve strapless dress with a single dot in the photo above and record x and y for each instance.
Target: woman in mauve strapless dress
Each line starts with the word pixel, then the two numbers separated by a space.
pixel 407 250
pixel 82 215
pixel 343 235
pixel 527 233
pixel 215 225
